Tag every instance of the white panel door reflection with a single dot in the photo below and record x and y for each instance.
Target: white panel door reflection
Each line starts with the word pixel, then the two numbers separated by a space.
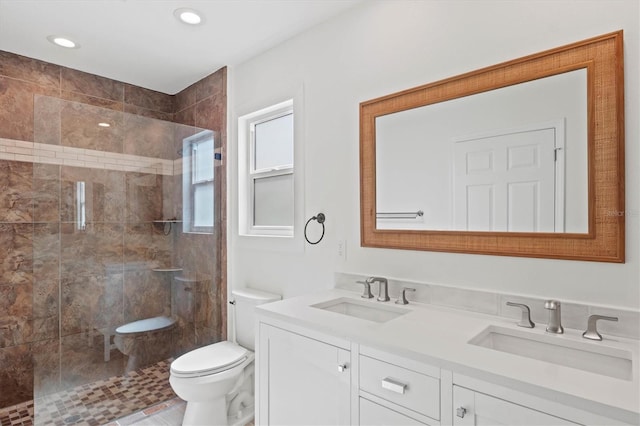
pixel 510 181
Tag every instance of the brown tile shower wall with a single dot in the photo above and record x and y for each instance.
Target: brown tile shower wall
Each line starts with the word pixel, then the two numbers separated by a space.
pixel 57 281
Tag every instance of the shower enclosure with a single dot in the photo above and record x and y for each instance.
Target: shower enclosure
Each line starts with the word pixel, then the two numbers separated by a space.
pixel 121 214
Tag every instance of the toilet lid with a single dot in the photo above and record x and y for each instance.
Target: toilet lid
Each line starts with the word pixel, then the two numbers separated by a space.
pixel 209 359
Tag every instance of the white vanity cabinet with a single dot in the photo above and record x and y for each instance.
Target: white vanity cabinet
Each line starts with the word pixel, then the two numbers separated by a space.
pixel 306 376
pixel 476 402
pixel 301 381
pixel 394 390
pixel 477 409
pixel 372 414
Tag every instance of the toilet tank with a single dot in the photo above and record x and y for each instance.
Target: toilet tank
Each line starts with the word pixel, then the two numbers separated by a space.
pixel 246 299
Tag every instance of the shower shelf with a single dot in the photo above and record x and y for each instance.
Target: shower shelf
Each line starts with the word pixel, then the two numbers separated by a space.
pixel 169 269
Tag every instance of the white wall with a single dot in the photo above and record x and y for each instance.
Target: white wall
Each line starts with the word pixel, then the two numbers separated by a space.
pixel 382 47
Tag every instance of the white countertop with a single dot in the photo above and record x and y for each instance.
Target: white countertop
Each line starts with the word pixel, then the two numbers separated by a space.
pixel 439 336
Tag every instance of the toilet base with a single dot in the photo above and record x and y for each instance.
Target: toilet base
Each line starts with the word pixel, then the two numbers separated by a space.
pixel 240 404
pixel 242 421
pixel 215 413
pixel 205 413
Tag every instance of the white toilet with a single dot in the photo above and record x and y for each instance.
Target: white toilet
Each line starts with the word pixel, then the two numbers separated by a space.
pixel 217 380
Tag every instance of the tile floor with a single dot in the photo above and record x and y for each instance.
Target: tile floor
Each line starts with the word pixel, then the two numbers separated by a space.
pixel 168 413
pixel 17 415
pixel 97 403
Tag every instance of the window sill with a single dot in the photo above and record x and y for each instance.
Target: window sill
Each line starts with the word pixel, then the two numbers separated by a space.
pixel 279 243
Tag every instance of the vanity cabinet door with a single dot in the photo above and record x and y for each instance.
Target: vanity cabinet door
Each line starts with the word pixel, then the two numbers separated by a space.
pixel 308 381
pixel 478 409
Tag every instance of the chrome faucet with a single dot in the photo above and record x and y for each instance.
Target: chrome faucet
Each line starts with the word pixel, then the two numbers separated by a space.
pixel 366 294
pixel 592 329
pixel 555 317
pixel 383 288
pixel 525 320
pixel 402 299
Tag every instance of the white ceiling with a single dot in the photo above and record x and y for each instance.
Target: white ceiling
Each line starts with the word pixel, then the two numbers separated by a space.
pixel 142 43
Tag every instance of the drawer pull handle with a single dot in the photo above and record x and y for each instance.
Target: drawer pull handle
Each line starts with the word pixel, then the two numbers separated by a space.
pixel 342 367
pixel 460 412
pixel 393 385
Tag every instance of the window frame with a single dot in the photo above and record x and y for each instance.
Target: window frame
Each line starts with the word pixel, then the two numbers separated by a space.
pixel 189 188
pixel 249 174
pixel 256 174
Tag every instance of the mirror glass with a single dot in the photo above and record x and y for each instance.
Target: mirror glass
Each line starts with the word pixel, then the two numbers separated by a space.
pixel 513 159
pixel 522 158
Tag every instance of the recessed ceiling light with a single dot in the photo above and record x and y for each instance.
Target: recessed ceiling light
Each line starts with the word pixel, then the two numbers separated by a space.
pixel 103 124
pixel 188 16
pixel 63 42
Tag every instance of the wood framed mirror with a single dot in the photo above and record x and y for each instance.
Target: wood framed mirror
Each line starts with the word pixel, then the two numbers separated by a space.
pixel 406 136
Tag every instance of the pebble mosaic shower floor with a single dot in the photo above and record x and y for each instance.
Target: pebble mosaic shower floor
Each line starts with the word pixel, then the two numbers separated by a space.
pixel 96 403
pixel 17 415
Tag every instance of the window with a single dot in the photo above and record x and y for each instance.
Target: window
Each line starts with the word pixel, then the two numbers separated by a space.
pixel 267 184
pixel 198 172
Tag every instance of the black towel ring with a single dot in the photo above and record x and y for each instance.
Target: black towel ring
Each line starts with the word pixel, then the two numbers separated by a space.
pixel 320 219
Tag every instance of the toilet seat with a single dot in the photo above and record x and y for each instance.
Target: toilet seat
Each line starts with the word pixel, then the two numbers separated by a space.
pixel 209 360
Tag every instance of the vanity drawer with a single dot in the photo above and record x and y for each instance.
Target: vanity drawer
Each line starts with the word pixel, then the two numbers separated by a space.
pixel 372 414
pixel 407 388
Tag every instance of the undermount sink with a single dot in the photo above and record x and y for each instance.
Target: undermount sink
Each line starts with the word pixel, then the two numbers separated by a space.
pixel 367 310
pixel 593 357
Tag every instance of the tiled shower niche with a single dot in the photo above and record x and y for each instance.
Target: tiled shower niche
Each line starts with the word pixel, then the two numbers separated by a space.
pixel 90 221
